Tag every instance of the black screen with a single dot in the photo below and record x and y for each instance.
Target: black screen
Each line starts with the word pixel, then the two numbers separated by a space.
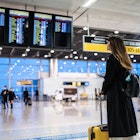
pixel 42 30
pixel 63 32
pixel 18 27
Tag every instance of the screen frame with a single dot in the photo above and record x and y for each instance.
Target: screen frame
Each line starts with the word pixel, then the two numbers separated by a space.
pixel 28 34
pixel 71 34
pixel 52 30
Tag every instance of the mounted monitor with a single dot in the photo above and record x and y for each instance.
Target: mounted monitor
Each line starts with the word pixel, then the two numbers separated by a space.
pixel 18 28
pixel 62 32
pixel 42 30
pixel 2 25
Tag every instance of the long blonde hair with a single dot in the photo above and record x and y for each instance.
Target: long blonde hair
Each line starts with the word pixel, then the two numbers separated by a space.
pixel 118 49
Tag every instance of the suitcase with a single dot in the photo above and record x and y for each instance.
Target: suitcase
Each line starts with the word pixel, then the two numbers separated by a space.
pixel 99 132
pixel 29 101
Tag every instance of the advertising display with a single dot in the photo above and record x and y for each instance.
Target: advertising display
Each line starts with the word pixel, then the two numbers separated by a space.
pixel 63 32
pixel 42 30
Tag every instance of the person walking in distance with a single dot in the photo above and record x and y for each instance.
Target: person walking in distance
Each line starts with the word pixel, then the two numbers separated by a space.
pixel 4 95
pixel 121 117
pixel 26 95
pixel 11 97
pixel 37 95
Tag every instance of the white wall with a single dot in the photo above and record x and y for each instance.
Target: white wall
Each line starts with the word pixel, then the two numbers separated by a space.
pixel 50 84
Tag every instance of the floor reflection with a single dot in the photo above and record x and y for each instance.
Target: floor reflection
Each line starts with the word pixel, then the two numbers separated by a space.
pixel 53 118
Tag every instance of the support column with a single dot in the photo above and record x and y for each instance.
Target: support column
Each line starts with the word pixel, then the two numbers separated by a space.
pixel 53 67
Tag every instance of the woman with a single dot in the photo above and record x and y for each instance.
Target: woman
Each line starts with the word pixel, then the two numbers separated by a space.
pixel 122 123
pixel 11 97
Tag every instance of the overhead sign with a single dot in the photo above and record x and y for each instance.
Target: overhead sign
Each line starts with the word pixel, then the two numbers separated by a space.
pixel 24 82
pixel 98 44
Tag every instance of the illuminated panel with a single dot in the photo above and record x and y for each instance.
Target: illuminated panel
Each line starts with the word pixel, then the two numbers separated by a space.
pixel 42 29
pixel 63 24
pixel 63 32
pixel 2 25
pixel 18 25
pixel 2 17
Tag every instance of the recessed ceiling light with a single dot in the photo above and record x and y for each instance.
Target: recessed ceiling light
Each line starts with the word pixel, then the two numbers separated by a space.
pixel 116 32
pixel 134 60
pixel 95 54
pixel 85 28
pixel 76 57
pixel 45 55
pixel 74 52
pixel 103 59
pixel 93 35
pixel 23 54
pixel 131 56
pixel 66 57
pixel 28 49
pixel 1 48
pixel 85 57
pixel 52 51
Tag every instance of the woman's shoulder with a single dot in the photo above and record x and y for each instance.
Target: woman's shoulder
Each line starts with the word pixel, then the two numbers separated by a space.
pixel 113 58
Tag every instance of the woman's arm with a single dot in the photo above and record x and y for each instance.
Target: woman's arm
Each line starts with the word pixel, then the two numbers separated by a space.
pixel 110 73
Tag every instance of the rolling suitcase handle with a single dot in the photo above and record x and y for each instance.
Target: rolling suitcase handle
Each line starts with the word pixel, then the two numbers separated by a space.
pixel 99 132
pixel 103 126
pixel 101 114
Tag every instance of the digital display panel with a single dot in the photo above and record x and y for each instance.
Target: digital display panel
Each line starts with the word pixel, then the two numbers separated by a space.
pixel 42 30
pixel 2 17
pixel 2 25
pixel 63 24
pixel 18 27
pixel 63 32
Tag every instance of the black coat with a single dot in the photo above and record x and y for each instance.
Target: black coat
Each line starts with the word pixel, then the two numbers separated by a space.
pixel 4 95
pixel 12 95
pixel 120 111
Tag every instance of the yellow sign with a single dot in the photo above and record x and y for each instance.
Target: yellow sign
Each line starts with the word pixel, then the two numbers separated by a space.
pixel 74 84
pixel 27 82
pixel 103 48
pixel 78 84
pixel 98 44
pixel 95 47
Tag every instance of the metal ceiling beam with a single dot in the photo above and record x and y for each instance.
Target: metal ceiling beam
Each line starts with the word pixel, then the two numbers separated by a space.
pixel 12 52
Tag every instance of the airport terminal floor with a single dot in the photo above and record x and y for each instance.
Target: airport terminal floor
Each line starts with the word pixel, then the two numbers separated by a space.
pixel 53 120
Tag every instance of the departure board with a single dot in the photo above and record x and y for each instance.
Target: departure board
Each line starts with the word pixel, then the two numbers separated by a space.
pixel 63 24
pixel 2 25
pixel 63 32
pixel 18 26
pixel 2 17
pixel 42 30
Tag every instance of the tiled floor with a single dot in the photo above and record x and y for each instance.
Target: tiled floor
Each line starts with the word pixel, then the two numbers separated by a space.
pixel 52 120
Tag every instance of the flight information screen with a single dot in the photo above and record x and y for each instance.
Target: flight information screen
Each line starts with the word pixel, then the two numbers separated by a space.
pixel 18 26
pixel 42 30
pixel 63 24
pixel 2 25
pixel 2 17
pixel 63 32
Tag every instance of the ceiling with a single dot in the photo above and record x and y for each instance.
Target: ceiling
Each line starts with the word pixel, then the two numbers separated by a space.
pixel 102 19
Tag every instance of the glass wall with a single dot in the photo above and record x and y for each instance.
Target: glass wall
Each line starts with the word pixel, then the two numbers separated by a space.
pixel 14 70
pixel 79 66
